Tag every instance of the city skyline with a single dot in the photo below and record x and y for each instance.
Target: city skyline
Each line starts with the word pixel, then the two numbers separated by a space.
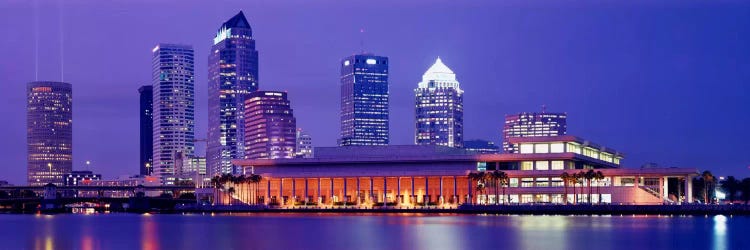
pixel 596 117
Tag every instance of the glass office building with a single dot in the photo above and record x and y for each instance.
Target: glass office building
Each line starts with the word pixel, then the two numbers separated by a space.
pixel 49 136
pixel 232 74
pixel 270 127
pixel 532 125
pixel 173 106
pixel 439 108
pixel 364 100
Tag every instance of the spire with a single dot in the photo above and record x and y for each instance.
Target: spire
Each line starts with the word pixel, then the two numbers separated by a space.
pixel 237 21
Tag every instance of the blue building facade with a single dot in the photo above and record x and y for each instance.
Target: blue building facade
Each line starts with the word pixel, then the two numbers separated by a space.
pixel 364 100
pixel 232 75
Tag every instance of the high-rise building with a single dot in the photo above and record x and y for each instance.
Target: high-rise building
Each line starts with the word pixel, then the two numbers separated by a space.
pixel 232 74
pixel 364 100
pixel 49 132
pixel 481 147
pixel 439 108
pixel 270 127
pixel 173 106
pixel 532 125
pixel 304 144
pixel 147 129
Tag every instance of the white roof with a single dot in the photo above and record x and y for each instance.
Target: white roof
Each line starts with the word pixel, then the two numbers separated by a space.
pixel 441 75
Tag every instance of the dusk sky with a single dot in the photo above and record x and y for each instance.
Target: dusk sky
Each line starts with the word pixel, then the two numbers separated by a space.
pixel 667 83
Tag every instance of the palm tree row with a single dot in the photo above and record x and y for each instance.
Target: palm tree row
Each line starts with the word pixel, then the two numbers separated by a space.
pixel 497 179
pixel 585 179
pixel 221 182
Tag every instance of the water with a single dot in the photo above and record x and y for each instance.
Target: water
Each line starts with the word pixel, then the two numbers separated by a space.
pixel 371 231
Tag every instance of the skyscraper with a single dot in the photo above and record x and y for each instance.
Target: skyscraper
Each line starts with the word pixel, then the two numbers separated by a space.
pixel 364 100
pixel 439 108
pixel 304 144
pixel 532 125
pixel 270 127
pixel 232 74
pixel 146 125
pixel 173 106
pixel 49 132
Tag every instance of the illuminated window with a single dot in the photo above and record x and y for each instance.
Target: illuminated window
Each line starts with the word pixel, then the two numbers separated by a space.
pixel 558 165
pixel 557 148
pixel 542 165
pixel 527 165
pixel 541 148
pixel 527 148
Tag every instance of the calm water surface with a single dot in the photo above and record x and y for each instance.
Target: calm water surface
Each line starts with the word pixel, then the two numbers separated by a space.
pixel 371 231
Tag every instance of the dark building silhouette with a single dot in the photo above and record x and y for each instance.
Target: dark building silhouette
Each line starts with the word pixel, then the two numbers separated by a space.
pixel 146 115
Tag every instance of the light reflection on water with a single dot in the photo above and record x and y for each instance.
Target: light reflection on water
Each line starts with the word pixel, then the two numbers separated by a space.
pixel 371 231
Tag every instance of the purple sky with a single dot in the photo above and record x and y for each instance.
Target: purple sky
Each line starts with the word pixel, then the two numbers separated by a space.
pixel 665 83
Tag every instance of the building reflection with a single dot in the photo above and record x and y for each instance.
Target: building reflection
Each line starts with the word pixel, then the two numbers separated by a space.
pixel 149 239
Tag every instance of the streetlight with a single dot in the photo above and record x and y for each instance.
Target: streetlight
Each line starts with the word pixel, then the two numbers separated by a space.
pixel 87 165
pixel 49 165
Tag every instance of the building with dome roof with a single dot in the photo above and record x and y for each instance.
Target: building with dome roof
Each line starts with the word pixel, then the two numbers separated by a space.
pixel 439 108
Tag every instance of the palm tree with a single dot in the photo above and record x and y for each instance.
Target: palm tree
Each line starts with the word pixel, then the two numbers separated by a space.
pixel 708 180
pixel 216 183
pixel 504 180
pixel 599 176
pixel 479 178
pixel 230 191
pixel 566 179
pixel 576 178
pixel 494 176
pixel 589 175
pixel 731 186
pixel 480 188
pixel 255 179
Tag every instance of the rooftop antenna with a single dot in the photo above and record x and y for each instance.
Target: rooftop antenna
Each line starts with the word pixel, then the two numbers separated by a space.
pixel 362 40
pixel 62 54
pixel 36 40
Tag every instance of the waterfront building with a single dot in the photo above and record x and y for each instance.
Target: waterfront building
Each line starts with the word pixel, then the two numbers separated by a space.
pixel 418 175
pixel 270 126
pixel 532 125
pixel 232 74
pixel 364 100
pixel 146 118
pixel 304 148
pixel 481 147
pixel 173 106
pixel 49 132
pixel 76 178
pixel 439 108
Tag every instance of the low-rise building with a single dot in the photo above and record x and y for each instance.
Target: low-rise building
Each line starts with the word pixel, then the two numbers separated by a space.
pixel 415 175
pixel 77 178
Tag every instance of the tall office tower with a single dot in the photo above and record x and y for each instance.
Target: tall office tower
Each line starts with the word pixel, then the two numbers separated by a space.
pixel 304 144
pixel 146 113
pixel 364 100
pixel 270 127
pixel 439 108
pixel 49 132
pixel 532 125
pixel 173 106
pixel 232 74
